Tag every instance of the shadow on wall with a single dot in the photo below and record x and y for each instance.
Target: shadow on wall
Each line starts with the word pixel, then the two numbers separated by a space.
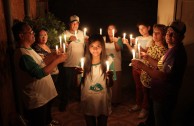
pixel 185 106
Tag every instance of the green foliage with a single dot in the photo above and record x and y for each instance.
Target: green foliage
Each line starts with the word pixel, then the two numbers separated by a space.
pixel 54 26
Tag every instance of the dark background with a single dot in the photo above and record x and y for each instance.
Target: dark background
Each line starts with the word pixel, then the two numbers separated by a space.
pixel 95 14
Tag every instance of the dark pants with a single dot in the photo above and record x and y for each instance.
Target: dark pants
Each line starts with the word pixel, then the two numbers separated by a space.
pixel 67 84
pixel 96 121
pixel 40 116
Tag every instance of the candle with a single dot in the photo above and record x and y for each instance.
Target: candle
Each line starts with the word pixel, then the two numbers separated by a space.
pixel 76 34
pixel 60 40
pixel 136 40
pixel 57 49
pixel 138 47
pixel 85 29
pixel 100 31
pixel 133 53
pixel 131 39
pixel 64 49
pixel 107 65
pixel 113 33
pixel 82 62
pixel 124 35
pixel 65 38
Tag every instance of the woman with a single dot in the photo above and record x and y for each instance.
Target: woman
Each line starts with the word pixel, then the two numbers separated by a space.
pixel 114 46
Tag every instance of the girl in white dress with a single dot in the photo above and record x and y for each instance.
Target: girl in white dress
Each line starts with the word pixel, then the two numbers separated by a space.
pixel 97 82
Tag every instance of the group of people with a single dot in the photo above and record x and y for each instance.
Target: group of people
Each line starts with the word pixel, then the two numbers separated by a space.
pixel 43 74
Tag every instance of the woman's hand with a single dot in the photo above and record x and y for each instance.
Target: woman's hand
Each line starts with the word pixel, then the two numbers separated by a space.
pixel 109 79
pixel 137 64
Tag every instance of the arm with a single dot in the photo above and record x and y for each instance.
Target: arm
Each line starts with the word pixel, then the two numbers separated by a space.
pixel 117 45
pixel 154 73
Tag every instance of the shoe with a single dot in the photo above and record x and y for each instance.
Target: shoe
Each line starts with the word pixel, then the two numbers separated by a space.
pixel 143 114
pixel 134 108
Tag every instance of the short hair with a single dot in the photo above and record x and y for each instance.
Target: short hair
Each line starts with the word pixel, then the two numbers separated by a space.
pixel 17 29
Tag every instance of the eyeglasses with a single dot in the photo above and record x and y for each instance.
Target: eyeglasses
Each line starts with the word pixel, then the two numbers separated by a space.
pixel 29 32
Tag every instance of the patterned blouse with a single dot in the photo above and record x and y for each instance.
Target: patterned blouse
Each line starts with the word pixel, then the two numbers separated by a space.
pixel 155 52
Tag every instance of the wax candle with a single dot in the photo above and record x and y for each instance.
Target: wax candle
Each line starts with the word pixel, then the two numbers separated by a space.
pixel 107 65
pixel 133 53
pixel 136 40
pixel 85 29
pixel 113 33
pixel 124 35
pixel 65 38
pixel 131 36
pixel 82 62
pixel 64 48
pixel 75 33
pixel 100 31
pixel 57 49
pixel 138 47
pixel 60 41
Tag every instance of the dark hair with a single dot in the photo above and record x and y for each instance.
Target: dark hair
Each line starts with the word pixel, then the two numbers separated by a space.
pixel 143 22
pixel 38 32
pixel 163 30
pixel 18 28
pixel 88 55
pixel 107 36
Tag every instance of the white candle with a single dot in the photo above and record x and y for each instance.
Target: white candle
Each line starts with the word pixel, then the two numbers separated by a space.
pixel 85 29
pixel 76 34
pixel 65 38
pixel 113 33
pixel 100 31
pixel 136 40
pixel 138 47
pixel 131 38
pixel 82 62
pixel 133 53
pixel 107 65
pixel 124 35
pixel 64 49
pixel 60 40
pixel 57 49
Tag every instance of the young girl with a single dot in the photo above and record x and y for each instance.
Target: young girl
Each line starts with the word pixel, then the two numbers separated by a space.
pixel 97 80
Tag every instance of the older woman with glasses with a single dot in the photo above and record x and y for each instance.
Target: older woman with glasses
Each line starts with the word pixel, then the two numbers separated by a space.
pixel 168 75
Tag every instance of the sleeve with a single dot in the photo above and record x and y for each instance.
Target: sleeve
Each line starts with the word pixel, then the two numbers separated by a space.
pixel 120 43
pixel 150 41
pixel 28 64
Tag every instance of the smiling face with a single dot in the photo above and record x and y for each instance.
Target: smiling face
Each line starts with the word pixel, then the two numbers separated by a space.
pixel 43 37
pixel 157 35
pixel 95 49
pixel 171 37
pixel 144 30
pixel 74 26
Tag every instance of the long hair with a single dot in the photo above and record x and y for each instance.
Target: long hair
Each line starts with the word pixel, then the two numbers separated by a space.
pixel 107 36
pixel 88 55
pixel 163 30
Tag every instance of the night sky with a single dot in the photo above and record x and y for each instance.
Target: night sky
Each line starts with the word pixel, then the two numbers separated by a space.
pixel 95 14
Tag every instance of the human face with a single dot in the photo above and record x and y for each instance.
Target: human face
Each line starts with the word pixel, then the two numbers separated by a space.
pixel 74 26
pixel 171 37
pixel 43 37
pixel 27 36
pixel 110 30
pixel 157 35
pixel 144 30
pixel 95 49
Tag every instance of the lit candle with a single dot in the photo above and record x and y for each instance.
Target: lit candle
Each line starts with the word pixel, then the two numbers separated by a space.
pixel 85 29
pixel 138 47
pixel 124 35
pixel 136 40
pixel 113 33
pixel 76 34
pixel 65 38
pixel 107 65
pixel 133 53
pixel 57 49
pixel 82 62
pixel 100 31
pixel 131 38
pixel 60 40
pixel 64 49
